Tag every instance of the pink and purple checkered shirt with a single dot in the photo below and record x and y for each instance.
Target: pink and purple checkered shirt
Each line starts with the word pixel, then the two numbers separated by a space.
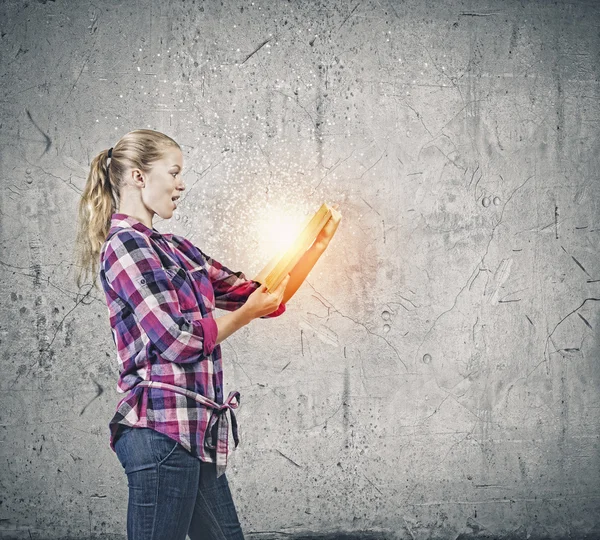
pixel 161 291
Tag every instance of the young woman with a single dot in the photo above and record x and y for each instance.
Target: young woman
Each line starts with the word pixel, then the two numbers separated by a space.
pixel 170 430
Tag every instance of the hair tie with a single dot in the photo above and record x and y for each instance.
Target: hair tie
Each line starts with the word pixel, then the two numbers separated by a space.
pixel 106 178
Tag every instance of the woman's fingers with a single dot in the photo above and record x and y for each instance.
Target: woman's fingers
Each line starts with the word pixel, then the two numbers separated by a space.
pixel 283 285
pixel 278 292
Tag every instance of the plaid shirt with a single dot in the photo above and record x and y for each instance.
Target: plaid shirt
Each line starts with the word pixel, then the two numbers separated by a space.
pixel 161 291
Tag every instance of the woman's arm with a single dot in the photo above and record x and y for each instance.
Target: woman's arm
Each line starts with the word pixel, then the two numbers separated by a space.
pixel 232 322
pixel 261 302
pixel 231 289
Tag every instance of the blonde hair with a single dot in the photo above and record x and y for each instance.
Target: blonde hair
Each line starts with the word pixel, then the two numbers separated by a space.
pixel 138 149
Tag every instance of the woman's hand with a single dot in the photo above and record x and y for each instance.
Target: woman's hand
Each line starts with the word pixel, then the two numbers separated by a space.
pixel 324 237
pixel 262 302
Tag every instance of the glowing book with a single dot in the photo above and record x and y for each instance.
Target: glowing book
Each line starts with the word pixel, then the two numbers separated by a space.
pixel 281 265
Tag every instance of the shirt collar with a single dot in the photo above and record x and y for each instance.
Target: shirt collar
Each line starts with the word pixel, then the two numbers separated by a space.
pixel 121 221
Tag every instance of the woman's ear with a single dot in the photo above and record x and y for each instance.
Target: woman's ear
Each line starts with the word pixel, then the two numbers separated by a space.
pixel 137 178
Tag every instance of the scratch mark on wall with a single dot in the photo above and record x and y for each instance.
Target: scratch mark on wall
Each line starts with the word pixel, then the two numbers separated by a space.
pixel 408 528
pixel 324 423
pixel 363 325
pixel 479 14
pixel 546 357
pixel 376 162
pixel 363 200
pixel 437 408
pixel 350 15
pixel 257 49
pixel 406 300
pixel 500 276
pixel 372 484
pixel 85 62
pixel 467 436
pixel 60 324
pixel 296 102
pixel 576 261
pixel 580 265
pixel 236 361
pixel 473 176
pixel 346 405
pixel 285 366
pixel 419 117
pixel 585 321
pixel 46 137
pixel 199 176
pixel 289 459
pixel 326 335
pixel 473 329
pixel 99 392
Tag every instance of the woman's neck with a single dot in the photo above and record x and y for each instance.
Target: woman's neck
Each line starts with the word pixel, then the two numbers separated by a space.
pixel 141 214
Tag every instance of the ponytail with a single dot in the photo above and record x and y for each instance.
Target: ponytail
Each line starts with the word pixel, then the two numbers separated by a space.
pixel 138 149
pixel 96 206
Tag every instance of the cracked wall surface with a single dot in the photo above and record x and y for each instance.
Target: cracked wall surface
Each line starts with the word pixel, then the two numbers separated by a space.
pixel 437 375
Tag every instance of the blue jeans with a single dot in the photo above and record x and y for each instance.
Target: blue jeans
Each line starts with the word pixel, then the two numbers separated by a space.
pixel 172 493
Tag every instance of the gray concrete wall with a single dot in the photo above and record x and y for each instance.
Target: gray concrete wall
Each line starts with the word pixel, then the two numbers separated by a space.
pixel 437 376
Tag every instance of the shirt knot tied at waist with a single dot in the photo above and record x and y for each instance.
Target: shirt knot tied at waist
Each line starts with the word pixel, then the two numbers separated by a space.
pixel 218 416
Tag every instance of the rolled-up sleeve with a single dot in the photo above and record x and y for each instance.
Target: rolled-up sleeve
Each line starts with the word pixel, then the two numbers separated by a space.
pixel 232 289
pixel 134 271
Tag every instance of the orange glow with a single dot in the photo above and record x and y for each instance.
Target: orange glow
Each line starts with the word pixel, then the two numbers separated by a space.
pixel 277 229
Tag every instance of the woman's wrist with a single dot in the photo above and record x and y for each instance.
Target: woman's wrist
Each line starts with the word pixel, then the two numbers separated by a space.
pixel 230 323
pixel 245 314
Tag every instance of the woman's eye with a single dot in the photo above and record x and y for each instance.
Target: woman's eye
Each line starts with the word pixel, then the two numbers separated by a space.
pixel 174 174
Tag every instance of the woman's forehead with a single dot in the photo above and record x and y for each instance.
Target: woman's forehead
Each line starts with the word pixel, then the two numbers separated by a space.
pixel 173 156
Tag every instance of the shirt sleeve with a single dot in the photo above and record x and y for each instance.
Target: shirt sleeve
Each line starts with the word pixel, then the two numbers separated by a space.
pixel 134 271
pixel 232 289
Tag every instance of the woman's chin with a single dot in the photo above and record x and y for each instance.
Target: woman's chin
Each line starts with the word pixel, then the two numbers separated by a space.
pixel 166 214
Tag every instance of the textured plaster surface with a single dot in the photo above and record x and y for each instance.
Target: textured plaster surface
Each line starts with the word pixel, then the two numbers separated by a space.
pixel 437 375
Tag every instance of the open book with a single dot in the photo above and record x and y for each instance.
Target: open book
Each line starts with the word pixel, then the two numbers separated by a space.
pixel 282 263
